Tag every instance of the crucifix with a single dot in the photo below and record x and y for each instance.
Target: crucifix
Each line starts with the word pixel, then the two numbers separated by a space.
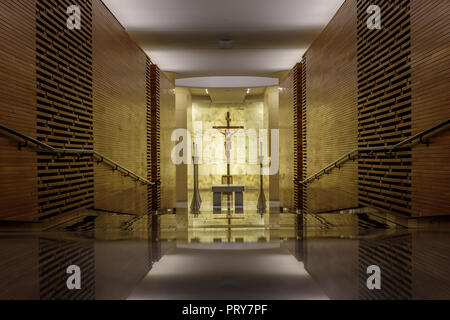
pixel 228 133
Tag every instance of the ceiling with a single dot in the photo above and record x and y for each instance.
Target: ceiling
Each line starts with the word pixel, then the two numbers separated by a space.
pixel 182 36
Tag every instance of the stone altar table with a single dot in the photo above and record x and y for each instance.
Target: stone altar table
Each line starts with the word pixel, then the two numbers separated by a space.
pixel 224 188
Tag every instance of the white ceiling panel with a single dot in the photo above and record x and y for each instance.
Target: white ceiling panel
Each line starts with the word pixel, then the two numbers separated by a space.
pixel 182 36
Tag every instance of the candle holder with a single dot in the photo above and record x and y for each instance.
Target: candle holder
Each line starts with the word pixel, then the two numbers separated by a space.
pixel 196 200
pixel 261 207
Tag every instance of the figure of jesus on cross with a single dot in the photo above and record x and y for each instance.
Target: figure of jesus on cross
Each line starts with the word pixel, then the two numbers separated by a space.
pixel 228 132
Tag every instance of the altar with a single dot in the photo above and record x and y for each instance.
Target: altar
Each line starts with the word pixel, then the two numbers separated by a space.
pixel 228 188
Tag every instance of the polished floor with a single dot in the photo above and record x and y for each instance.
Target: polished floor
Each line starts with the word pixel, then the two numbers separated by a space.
pixel 314 257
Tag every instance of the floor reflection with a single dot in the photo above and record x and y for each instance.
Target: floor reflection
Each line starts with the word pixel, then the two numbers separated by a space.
pixel 322 256
pixel 54 258
pixel 338 249
pixel 228 271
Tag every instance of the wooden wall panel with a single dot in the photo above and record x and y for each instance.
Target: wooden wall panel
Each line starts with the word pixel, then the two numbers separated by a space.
pixel 286 126
pixel 304 188
pixel 120 110
pixel 430 75
pixel 154 136
pixel 298 134
pixel 168 125
pixel 64 108
pixel 18 109
pixel 331 112
pixel 384 106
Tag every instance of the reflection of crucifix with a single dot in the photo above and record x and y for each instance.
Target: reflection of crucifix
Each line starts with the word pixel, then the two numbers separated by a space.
pixel 228 135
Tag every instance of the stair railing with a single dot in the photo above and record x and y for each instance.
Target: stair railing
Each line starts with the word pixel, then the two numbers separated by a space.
pixel 100 158
pixel 354 154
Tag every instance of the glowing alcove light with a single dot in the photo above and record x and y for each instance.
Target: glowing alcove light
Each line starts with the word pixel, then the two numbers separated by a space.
pixel 227 82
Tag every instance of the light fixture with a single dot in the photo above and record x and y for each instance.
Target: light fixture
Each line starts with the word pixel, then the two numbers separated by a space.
pixel 227 82
pixel 206 90
pixel 248 91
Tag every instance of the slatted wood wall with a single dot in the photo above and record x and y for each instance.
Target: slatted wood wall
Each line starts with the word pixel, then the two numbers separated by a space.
pixel 331 112
pixel 384 106
pixel 18 169
pixel 304 164
pixel 153 137
pixel 74 89
pixel 286 127
pixel 64 107
pixel 298 134
pixel 430 77
pixel 120 109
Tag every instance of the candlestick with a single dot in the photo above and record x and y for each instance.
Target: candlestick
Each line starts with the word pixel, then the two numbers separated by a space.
pixel 196 200
pixel 261 206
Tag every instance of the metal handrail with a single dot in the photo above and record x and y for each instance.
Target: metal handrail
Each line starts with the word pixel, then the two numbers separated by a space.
pixel 62 151
pixel 352 155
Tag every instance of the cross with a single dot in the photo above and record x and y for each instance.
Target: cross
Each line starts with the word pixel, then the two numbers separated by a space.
pixel 228 136
pixel 228 126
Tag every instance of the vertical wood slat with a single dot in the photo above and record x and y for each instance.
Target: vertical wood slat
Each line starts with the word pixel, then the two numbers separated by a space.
pixel 384 106
pixel 298 135
pixel 18 173
pixel 153 136
pixel 304 164
pixel 64 108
